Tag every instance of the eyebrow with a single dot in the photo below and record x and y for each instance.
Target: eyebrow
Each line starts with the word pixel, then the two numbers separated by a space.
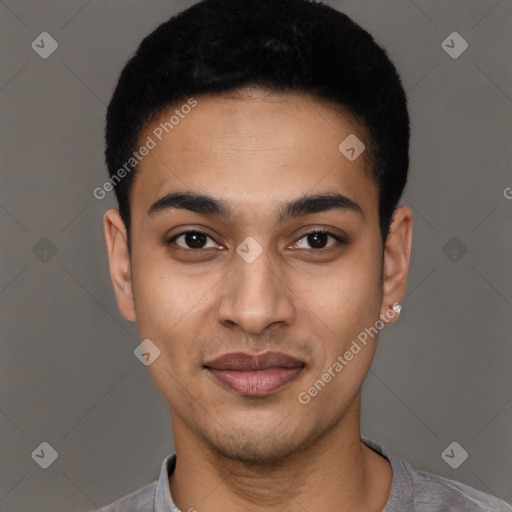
pixel 211 206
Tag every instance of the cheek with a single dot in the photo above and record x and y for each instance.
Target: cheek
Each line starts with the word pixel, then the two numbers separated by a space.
pixel 164 297
pixel 347 308
pixel 345 296
pixel 169 310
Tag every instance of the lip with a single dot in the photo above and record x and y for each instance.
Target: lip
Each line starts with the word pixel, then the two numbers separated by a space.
pixel 255 374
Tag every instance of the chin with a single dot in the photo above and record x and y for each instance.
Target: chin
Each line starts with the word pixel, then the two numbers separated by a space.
pixel 252 445
pixel 254 452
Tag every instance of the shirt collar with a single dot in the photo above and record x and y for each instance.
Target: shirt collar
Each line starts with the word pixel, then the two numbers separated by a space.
pixel 401 492
pixel 163 500
pixel 401 487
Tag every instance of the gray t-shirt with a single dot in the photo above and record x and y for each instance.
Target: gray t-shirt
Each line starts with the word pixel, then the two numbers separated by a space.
pixel 411 491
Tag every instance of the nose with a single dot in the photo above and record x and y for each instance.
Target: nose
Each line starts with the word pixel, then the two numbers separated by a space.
pixel 255 297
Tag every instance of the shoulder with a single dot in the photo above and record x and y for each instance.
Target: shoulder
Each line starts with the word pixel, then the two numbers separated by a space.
pixel 141 500
pixel 434 493
pixel 420 491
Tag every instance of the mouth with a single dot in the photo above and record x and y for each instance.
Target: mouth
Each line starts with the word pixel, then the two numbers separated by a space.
pixel 257 374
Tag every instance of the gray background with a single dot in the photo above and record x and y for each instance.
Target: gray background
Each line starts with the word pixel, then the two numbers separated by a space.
pixel 68 375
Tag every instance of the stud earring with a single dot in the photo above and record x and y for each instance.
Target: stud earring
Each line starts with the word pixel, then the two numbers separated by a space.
pixel 397 308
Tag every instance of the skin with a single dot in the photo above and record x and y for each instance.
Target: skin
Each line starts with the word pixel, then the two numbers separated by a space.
pixel 256 151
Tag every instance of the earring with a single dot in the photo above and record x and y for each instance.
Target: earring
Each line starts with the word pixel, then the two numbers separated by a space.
pixel 397 308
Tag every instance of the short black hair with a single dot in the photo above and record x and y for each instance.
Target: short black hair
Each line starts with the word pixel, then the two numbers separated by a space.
pixel 218 46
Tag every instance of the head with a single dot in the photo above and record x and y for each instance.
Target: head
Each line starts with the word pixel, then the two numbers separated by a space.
pixel 277 134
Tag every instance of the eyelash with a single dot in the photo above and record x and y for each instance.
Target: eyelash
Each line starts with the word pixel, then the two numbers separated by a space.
pixel 339 239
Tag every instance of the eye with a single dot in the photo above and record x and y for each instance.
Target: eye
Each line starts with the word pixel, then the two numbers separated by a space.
pixel 193 240
pixel 318 240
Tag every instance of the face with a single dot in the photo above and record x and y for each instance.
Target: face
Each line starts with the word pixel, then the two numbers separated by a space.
pixel 281 270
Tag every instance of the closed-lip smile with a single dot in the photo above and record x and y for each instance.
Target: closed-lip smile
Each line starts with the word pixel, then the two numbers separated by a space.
pixel 255 374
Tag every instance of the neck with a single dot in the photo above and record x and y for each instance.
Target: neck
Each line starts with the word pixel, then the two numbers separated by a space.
pixel 335 473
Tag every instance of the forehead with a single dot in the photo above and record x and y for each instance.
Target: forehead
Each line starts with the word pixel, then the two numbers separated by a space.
pixel 251 148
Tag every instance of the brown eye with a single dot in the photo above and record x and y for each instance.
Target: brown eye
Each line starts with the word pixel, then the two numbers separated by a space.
pixel 318 240
pixel 193 240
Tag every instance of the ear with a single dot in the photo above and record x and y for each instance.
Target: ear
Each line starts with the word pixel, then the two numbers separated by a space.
pixel 397 255
pixel 119 261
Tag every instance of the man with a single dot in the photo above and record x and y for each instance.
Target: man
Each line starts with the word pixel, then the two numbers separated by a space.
pixel 258 151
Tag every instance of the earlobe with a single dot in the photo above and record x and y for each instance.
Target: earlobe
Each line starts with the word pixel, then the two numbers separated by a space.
pixel 119 262
pixel 397 254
